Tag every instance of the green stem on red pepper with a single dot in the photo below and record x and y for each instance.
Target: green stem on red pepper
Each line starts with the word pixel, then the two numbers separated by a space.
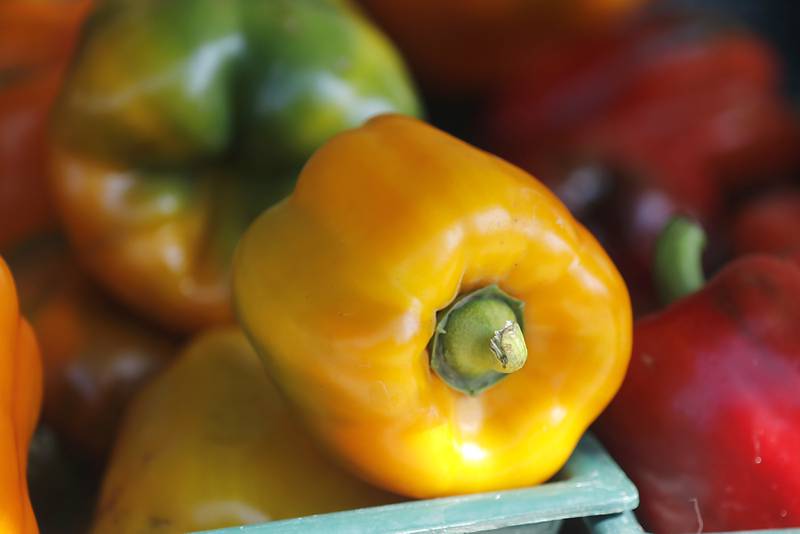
pixel 678 268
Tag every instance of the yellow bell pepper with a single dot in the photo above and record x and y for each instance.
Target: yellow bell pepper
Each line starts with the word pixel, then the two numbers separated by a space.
pixel 339 287
pixel 210 444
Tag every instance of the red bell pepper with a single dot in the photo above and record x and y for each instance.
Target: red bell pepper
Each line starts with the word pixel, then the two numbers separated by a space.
pixel 469 46
pixel 668 115
pixel 36 42
pixel 768 224
pixel 707 423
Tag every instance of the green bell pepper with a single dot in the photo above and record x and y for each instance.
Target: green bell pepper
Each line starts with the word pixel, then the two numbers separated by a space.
pixel 183 120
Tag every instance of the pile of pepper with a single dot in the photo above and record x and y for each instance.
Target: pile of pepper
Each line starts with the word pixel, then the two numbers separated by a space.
pixel 262 260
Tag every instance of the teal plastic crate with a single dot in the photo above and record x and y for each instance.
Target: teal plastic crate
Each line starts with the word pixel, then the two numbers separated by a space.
pixel 590 484
pixel 621 523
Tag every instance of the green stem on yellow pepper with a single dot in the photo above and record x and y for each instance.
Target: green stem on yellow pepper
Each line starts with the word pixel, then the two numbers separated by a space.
pixel 479 340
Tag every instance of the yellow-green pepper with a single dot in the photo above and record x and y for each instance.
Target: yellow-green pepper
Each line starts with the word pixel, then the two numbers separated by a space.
pixel 181 121
pixel 210 444
pixel 339 287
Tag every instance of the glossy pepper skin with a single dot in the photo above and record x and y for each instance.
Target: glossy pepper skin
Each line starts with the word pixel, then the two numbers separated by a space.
pixel 20 400
pixel 338 288
pixel 472 46
pixel 181 121
pixel 669 115
pixel 96 354
pixel 36 42
pixel 211 444
pixel 706 422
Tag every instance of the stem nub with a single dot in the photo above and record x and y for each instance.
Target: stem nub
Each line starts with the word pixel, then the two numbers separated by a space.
pixel 678 267
pixel 479 340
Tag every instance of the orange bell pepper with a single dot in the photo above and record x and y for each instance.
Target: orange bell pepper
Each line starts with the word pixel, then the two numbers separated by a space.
pixel 96 353
pixel 20 400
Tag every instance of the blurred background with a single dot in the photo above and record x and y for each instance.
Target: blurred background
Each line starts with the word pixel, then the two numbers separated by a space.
pixel 630 110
